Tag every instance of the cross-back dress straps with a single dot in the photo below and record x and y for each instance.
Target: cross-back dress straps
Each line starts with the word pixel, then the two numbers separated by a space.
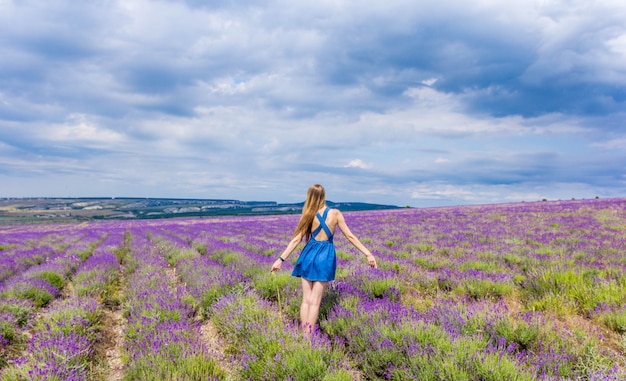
pixel 322 220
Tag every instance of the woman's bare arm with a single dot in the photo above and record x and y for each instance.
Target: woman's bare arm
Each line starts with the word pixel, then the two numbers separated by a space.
pixel 354 240
pixel 287 252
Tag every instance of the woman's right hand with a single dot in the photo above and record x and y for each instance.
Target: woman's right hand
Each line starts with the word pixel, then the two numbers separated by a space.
pixel 371 260
pixel 276 266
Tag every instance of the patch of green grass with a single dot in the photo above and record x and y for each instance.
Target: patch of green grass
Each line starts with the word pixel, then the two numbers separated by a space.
pixel 162 367
pixel 123 251
pixel 240 261
pixel 431 263
pixel 615 320
pixel 56 280
pixel 70 317
pixel 268 252
pixel 344 255
pixel 33 260
pixel 495 367
pixel 272 286
pixel 98 283
pixel 486 266
pixel 591 361
pixel 87 252
pixel 177 254
pixel 39 297
pixel 201 247
pixel 9 330
pixel 522 332
pixel 570 291
pixel 484 289
pixel 388 287
pixel 21 310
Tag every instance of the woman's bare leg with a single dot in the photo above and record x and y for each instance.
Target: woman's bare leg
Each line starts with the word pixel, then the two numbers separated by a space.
pixel 312 292
pixel 307 289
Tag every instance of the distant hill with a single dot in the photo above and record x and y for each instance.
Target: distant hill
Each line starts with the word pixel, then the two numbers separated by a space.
pixel 30 210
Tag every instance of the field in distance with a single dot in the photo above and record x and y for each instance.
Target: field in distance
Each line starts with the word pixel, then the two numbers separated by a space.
pixel 29 210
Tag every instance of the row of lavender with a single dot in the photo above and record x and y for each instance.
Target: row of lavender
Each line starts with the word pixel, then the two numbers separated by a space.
pixel 62 345
pixel 532 291
pixel 162 337
pixel 34 267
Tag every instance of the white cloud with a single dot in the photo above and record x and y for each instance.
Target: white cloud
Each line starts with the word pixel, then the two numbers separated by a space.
pixel 617 46
pixel 79 128
pixel 525 196
pixel 617 144
pixel 438 192
pixel 357 163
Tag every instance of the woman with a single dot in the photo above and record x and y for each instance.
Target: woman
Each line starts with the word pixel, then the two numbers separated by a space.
pixel 317 262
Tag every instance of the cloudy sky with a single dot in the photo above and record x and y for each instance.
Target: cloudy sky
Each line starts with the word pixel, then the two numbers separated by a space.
pixel 404 102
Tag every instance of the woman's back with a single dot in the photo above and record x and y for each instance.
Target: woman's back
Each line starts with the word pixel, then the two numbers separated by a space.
pixel 331 221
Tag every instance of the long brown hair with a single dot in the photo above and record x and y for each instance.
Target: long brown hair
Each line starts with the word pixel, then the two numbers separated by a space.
pixel 315 200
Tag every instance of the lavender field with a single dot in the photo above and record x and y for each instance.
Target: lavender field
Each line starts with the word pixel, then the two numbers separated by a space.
pixel 528 291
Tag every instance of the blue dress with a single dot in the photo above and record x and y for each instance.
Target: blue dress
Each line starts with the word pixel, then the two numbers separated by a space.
pixel 318 260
